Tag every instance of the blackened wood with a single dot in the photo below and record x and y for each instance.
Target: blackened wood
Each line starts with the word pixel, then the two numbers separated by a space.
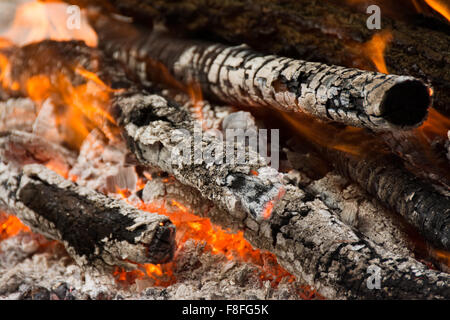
pixel 149 123
pixel 385 177
pixel 314 245
pixel 320 31
pixel 241 76
pixel 222 72
pixel 96 230
pixel 303 232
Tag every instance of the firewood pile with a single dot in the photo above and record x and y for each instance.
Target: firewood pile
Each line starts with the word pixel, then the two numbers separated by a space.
pixel 229 150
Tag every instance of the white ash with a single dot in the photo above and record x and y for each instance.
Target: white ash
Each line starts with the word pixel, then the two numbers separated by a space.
pixel 45 123
pixel 361 212
pixel 102 166
pixel 28 272
pixel 17 114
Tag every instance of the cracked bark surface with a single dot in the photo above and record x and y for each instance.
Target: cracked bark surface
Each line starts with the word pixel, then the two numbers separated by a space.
pixel 385 177
pixel 96 230
pixel 314 245
pixel 241 76
pixel 302 232
pixel 321 31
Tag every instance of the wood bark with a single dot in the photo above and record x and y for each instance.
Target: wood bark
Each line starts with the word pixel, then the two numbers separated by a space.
pixel 315 246
pixel 303 232
pixel 190 61
pixel 320 31
pixel 96 230
pixel 385 177
pixel 241 76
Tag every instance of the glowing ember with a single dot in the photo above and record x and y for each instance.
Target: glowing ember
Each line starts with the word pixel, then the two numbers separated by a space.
pixel 196 96
pixel 10 226
pixel 218 241
pixel 58 167
pixel 267 212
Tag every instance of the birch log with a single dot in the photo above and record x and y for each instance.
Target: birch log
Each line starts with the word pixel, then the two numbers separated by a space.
pixel 240 76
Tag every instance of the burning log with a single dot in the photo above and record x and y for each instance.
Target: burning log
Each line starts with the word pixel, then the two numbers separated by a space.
pixel 191 61
pixel 240 76
pixel 314 245
pixel 302 231
pixel 96 230
pixel 386 178
pixel 230 184
pixel 316 31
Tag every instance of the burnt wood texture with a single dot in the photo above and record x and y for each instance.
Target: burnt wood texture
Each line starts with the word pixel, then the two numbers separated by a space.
pixel 240 76
pixel 322 31
pixel 96 230
pixel 302 231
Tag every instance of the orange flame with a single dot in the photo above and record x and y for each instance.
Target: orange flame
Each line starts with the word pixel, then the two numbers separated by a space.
pixel 441 6
pixel 196 96
pixel 79 109
pixel 219 241
pixel 375 48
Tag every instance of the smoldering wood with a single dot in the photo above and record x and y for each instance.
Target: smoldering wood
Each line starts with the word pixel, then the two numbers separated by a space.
pixel 149 123
pixel 426 157
pixel 303 232
pixel 325 32
pixel 385 177
pixel 315 246
pixel 437 226
pixel 96 230
pixel 241 76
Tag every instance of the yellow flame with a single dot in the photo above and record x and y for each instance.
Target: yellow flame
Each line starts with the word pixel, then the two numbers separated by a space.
pixel 375 48
pixel 441 6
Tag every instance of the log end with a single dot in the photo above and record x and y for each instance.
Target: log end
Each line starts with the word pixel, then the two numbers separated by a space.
pixel 162 247
pixel 406 103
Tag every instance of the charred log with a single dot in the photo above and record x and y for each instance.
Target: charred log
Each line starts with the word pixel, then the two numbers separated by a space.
pixel 96 230
pixel 302 231
pixel 320 31
pixel 240 76
pixel 385 178
pixel 314 245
